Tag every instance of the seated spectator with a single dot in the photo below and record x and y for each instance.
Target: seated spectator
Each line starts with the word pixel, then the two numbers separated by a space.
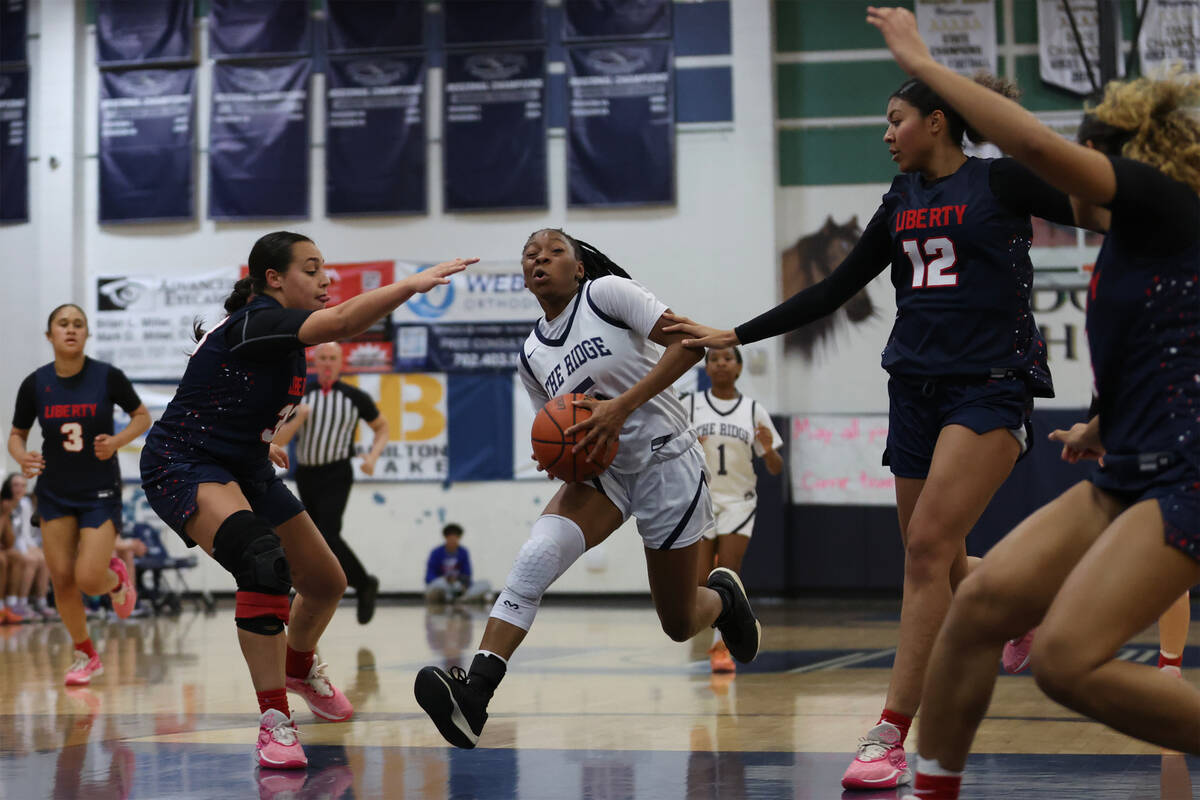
pixel 34 575
pixel 448 572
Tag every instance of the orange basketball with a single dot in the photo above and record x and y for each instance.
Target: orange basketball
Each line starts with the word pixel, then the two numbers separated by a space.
pixel 552 447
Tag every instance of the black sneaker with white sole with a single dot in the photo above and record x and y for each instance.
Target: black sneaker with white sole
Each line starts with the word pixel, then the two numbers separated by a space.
pixel 457 708
pixel 739 627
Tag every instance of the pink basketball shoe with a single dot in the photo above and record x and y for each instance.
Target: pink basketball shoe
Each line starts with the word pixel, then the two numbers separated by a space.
pixel 881 763
pixel 325 699
pixel 279 742
pixel 1016 653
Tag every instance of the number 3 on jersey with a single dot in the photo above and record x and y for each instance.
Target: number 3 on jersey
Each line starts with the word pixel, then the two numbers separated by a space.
pixel 72 433
pixel 936 272
pixel 269 433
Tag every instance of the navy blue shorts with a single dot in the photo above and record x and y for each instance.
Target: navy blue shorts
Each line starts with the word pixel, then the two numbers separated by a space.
pixel 90 512
pixel 170 488
pixel 919 409
pixel 1171 479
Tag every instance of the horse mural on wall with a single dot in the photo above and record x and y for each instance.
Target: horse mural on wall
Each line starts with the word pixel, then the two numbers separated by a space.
pixel 809 261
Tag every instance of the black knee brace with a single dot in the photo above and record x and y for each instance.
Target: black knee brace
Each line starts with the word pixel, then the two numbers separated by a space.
pixel 248 548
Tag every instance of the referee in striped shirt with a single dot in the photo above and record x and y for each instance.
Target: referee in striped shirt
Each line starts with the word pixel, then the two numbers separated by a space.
pixel 326 422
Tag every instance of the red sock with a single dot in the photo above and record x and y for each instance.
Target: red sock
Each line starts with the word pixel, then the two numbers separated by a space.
pixel 273 698
pixel 299 663
pixel 936 787
pixel 899 720
pixel 86 647
pixel 1163 661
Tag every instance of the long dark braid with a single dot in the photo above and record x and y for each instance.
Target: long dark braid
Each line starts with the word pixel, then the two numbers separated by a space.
pixel 595 263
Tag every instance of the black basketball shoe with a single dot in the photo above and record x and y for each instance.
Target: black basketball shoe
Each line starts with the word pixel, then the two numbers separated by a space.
pixel 367 595
pixel 737 623
pixel 454 705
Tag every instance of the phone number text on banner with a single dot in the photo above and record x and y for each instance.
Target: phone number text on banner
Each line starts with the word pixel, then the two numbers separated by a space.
pixel 460 347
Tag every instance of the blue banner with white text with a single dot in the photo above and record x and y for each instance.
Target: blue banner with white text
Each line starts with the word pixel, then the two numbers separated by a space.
pixel 14 22
pixel 616 19
pixel 146 133
pixel 14 146
pixel 471 22
pixel 375 135
pixel 258 141
pixel 494 129
pixel 259 28
pixel 460 346
pixel 621 125
pixel 364 26
pixel 143 31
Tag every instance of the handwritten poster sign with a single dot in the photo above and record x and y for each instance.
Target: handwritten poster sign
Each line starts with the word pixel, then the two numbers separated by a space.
pixel 836 460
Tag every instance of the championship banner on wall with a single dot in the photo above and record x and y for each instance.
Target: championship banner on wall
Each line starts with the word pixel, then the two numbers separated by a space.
pixel 1170 34
pixel 960 33
pixel 375 135
pixel 363 26
pixel 144 323
pixel 835 461
pixel 494 130
pixel 621 125
pixel 1059 41
pixel 616 19
pixel 14 145
pixel 414 406
pixel 143 31
pixel 13 26
pixel 469 22
pixel 259 28
pixel 258 141
pixel 460 347
pixel 145 157
pixel 489 291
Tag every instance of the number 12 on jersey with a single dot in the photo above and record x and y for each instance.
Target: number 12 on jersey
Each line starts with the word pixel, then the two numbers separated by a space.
pixel 936 272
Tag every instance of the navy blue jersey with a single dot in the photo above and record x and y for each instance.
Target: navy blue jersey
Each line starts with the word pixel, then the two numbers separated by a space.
pixel 963 278
pixel 242 381
pixel 1143 316
pixel 72 412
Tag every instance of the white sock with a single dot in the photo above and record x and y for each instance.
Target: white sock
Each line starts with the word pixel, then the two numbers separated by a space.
pixel 930 766
pixel 493 655
pixel 40 604
pixel 716 635
pixel 11 599
pixel 1165 654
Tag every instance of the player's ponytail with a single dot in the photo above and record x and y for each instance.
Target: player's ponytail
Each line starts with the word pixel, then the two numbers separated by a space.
pixel 272 251
pixel 595 263
pixel 918 94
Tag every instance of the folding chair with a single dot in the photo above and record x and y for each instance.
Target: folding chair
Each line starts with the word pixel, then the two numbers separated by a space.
pixel 158 563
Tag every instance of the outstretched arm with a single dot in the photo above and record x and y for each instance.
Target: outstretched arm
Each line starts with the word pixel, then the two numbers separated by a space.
pixel 869 257
pixel 1069 167
pixel 360 312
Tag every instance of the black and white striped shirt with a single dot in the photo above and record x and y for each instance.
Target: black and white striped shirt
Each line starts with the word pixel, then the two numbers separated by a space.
pixel 328 433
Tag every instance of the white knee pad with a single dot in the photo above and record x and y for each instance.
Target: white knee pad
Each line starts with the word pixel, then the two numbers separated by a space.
pixel 554 544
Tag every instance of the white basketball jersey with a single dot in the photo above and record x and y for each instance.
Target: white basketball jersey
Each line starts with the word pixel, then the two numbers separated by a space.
pixel 598 346
pixel 726 432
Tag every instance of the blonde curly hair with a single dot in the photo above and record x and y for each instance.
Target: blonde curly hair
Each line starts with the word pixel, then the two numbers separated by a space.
pixel 1159 114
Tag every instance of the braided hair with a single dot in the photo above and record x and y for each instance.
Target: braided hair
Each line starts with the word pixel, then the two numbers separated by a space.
pixel 595 263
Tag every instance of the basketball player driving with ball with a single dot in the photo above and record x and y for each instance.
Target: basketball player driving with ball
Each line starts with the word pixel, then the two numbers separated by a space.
pixel 597 338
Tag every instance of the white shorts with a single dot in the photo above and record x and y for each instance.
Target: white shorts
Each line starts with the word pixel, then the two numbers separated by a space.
pixel 668 498
pixel 733 516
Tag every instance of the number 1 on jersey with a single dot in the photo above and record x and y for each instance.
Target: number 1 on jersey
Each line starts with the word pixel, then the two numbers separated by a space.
pixel 936 272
